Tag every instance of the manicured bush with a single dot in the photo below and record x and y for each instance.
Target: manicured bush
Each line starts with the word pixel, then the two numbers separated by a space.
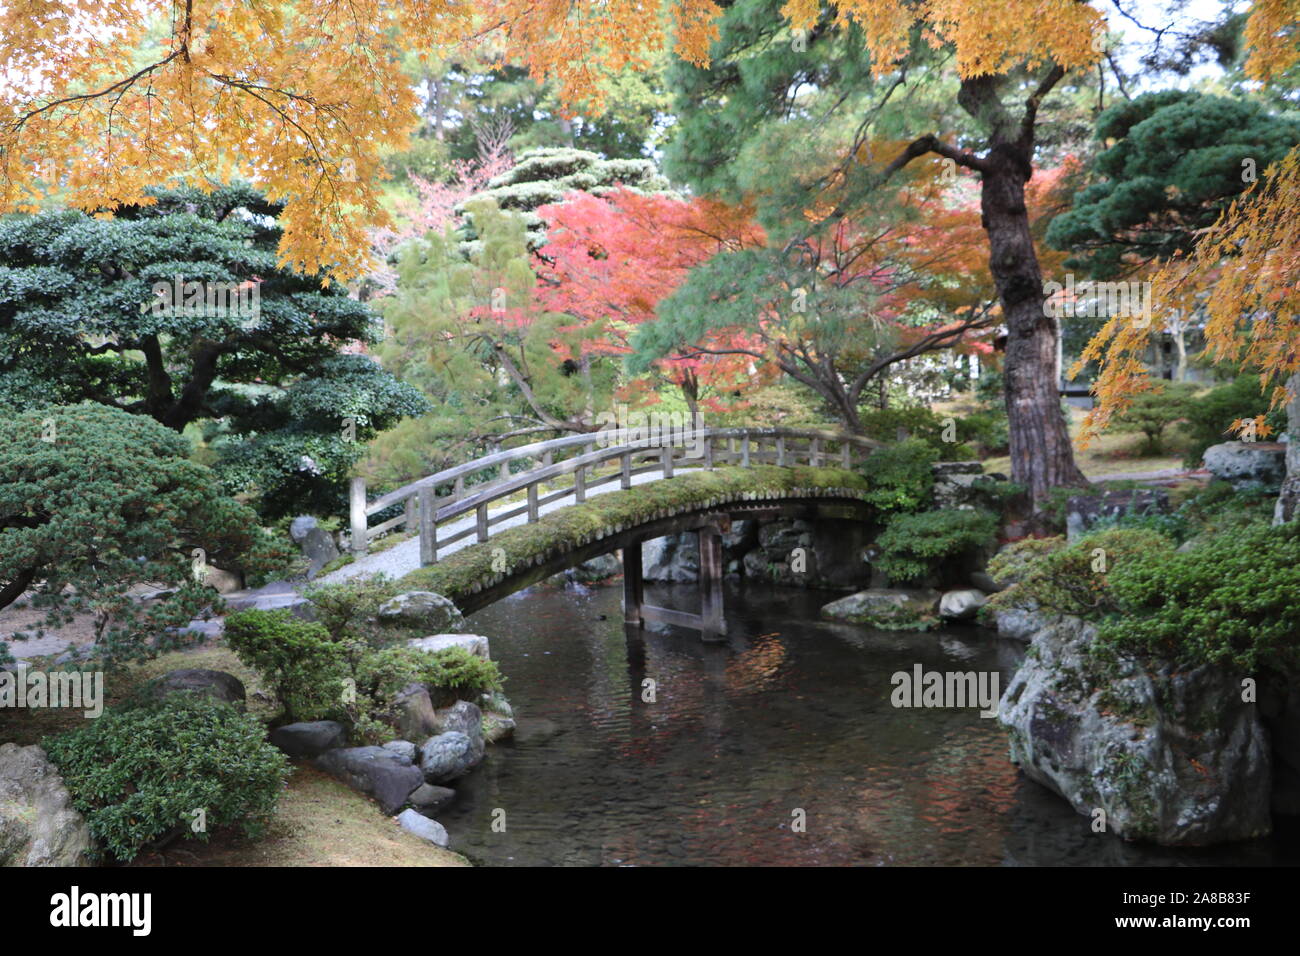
pixel 1230 600
pixel 1074 578
pixel 347 609
pixel 458 674
pixel 924 425
pixel 448 675
pixel 140 772
pixel 95 502
pixel 899 476
pixel 1152 412
pixel 300 660
pixel 914 546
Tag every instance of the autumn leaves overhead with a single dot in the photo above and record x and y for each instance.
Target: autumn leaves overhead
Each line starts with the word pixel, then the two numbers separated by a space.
pixel 103 98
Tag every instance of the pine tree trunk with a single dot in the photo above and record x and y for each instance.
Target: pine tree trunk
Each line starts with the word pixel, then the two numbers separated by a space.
pixel 1041 455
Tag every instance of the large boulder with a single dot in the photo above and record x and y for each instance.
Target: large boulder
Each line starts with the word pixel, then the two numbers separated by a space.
pixel 1084 511
pixel 1248 464
pixel 308 739
pixel 426 610
pixel 476 644
pixel 386 776
pixel 449 756
pixel 38 824
pixel 461 717
pixel 956 483
pixel 218 685
pixel 1171 756
pixel 890 609
pixel 299 527
pixel 428 799
pixel 225 582
pixel 1022 622
pixel 428 829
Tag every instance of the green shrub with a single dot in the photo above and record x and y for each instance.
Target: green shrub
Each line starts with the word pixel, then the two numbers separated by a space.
pixel 921 424
pixel 140 772
pixel 1155 410
pixel 299 660
pixel 347 609
pixel 1075 578
pixel 1209 416
pixel 1230 600
pixel 913 546
pixel 456 674
pixel 899 476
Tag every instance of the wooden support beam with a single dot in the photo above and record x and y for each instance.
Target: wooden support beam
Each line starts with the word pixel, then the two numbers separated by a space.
pixel 633 583
pixel 711 618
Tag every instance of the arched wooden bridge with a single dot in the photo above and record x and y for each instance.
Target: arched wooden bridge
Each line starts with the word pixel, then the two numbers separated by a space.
pixel 715 475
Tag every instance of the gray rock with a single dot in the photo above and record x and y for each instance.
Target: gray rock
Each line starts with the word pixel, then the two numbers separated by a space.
pixel 1021 623
pixel 426 610
pixel 1248 464
pixel 429 799
pixel 742 536
pixel 38 824
pixel 496 703
pixel 461 717
pixel 215 684
pixel 299 527
pixel 600 568
pixel 319 548
pixel 984 581
pixel 226 582
pixel 277 596
pixel 423 827
pixel 783 536
pixel 961 605
pixel 404 748
pixel 449 756
pixel 957 484
pixel 675 557
pixel 1173 756
pixel 387 777
pixel 1084 511
pixel 476 644
pixel 891 609
pixel 413 715
pixel 308 739
pixel 497 727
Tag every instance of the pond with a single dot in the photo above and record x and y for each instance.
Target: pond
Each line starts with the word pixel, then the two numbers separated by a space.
pixel 776 746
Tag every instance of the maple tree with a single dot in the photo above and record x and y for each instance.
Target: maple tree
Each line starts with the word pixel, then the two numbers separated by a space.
pixel 610 260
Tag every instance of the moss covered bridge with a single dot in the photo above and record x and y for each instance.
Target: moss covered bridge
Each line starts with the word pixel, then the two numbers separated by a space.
pixel 551 505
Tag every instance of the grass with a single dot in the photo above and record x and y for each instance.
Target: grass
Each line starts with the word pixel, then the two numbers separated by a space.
pixel 318 822
pixel 1114 453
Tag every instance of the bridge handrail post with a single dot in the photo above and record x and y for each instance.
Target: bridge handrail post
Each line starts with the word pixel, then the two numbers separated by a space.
pixel 357 515
pixel 481 521
pixel 666 460
pixel 428 527
pixel 532 503
pixel 708 452
pixel 815 453
pixel 744 451
pixel 846 454
pixel 625 472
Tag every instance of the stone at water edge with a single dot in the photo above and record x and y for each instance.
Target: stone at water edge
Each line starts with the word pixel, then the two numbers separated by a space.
pixel 218 685
pixel 387 777
pixel 600 568
pixel 962 605
pixel 38 824
pixel 889 609
pixel 1021 623
pixel 449 756
pixel 427 610
pixel 414 716
pixel 428 799
pixel 497 727
pixel 1172 756
pixel 423 827
pixel 476 644
pixel 307 739
pixel 461 717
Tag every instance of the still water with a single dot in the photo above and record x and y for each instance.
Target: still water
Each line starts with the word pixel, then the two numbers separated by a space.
pixel 788 714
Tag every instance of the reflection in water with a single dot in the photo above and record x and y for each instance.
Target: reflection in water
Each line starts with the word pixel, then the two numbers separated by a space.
pixel 787 714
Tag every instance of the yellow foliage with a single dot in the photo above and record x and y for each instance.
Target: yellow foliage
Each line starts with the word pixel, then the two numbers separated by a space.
pixel 1245 276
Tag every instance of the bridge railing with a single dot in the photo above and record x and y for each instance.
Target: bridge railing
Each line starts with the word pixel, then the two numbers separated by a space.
pixel 446 496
